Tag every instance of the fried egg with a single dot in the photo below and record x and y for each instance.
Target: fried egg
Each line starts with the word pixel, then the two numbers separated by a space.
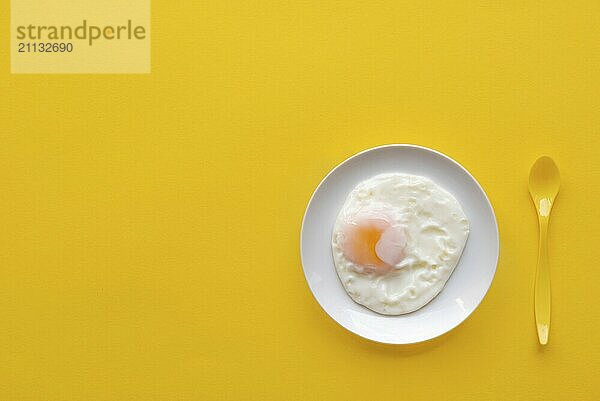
pixel 396 241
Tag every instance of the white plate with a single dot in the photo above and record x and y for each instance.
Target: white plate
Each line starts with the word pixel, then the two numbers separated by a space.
pixel 464 290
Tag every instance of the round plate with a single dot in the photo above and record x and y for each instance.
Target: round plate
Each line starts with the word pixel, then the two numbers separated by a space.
pixel 466 286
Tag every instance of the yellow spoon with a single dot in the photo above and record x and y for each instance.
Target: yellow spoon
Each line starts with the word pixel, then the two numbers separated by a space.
pixel 544 182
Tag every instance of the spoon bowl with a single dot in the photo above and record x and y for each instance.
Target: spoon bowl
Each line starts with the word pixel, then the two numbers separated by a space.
pixel 544 183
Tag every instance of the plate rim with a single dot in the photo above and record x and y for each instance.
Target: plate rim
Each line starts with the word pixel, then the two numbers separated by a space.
pixel 400 145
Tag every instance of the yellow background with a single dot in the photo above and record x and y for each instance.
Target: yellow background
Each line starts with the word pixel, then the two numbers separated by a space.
pixel 150 223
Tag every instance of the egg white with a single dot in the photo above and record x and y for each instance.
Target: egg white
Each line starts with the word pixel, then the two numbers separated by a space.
pixel 436 229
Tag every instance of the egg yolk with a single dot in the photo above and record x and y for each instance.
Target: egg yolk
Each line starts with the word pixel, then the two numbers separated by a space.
pixel 371 241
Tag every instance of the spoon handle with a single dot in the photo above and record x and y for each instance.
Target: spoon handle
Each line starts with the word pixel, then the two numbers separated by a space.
pixel 542 284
